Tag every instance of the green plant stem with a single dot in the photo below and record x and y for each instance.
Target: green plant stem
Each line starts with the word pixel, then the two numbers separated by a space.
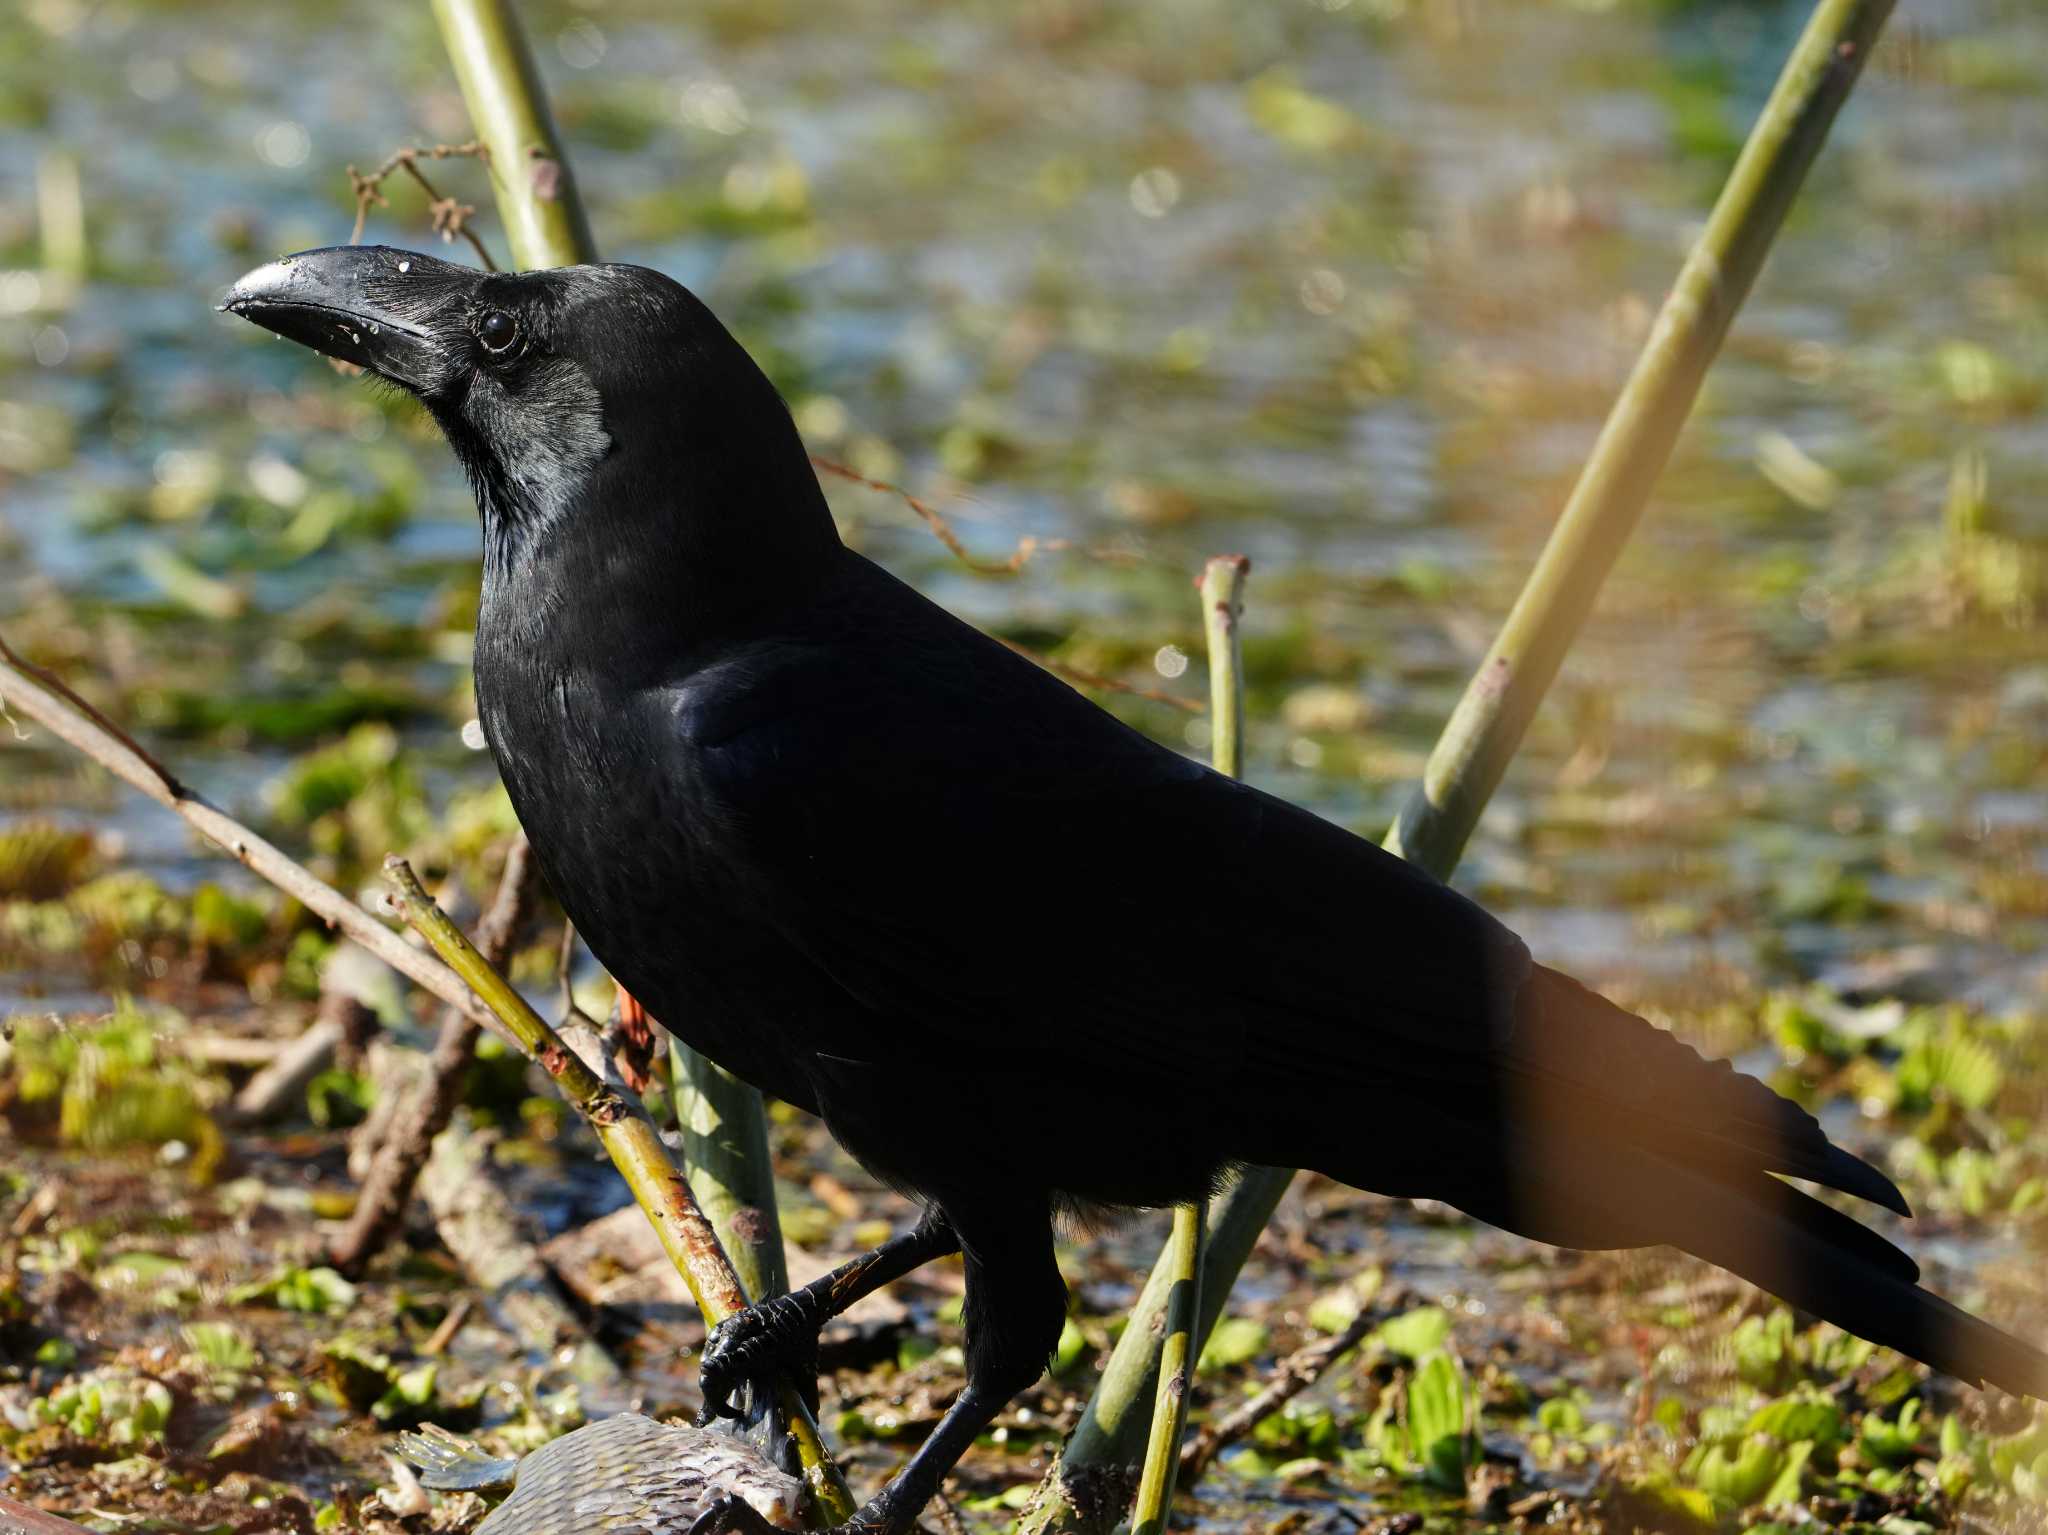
pixel 536 191
pixel 1486 728
pixel 1182 1260
pixel 545 222
pixel 1086 1489
pixel 725 1152
pixel 629 1138
pixel 1222 588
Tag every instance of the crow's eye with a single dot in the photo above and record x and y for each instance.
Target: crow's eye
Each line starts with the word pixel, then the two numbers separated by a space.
pixel 496 329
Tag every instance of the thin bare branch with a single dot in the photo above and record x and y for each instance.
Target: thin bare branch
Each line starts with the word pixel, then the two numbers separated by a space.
pixel 26 1519
pixel 34 692
pixel 1297 1372
pixel 1018 558
pixel 450 218
pixel 942 529
pixel 1097 681
pixel 389 1184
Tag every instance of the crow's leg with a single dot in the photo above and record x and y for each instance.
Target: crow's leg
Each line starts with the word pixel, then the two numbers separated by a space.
pixel 1016 1305
pixel 779 1335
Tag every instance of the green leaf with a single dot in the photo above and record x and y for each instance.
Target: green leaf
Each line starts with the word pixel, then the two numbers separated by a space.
pixel 1070 1350
pixel 1009 1500
pixel 1741 1478
pixel 112 1406
pixel 1335 1310
pixel 1763 1349
pixel 1438 1414
pixel 222 920
pixel 337 1099
pixel 139 1267
pixel 1416 1334
pixel 1892 1442
pixel 220 1345
pixel 1302 1427
pixel 316 1290
pixel 411 1392
pixel 1954 1067
pixel 1793 1418
pixel 1236 1340
pixel 1788 1485
pixel 1971 1173
pixel 1688 1503
pixel 1297 117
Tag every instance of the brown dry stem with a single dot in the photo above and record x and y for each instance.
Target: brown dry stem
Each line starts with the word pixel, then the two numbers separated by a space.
pixel 29 690
pixel 1100 683
pixel 1017 559
pixel 389 1185
pixel 1297 1372
pixel 450 218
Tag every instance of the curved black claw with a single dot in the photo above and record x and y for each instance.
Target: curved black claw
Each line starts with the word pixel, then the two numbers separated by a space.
pixel 731 1515
pixel 758 1349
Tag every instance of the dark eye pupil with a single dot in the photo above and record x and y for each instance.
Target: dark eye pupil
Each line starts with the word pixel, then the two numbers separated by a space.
pixel 495 330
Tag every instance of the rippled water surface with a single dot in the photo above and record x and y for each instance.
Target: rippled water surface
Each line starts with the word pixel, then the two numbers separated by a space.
pixel 1345 288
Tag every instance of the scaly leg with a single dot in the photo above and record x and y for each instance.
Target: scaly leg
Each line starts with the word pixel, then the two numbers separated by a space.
pixel 1016 1305
pixel 780 1334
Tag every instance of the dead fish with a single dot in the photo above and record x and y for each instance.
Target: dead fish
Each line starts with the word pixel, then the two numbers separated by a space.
pixel 625 1473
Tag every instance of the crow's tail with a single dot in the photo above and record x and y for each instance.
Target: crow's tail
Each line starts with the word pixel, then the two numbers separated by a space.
pixel 1822 1261
pixel 1590 1128
pixel 1768 1232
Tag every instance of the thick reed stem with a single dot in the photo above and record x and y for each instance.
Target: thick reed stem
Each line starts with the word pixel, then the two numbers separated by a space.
pixel 536 191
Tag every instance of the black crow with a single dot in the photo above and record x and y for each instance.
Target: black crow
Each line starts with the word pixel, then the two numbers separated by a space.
pixel 1021 959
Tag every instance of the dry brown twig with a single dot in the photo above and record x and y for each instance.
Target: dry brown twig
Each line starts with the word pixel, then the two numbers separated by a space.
pixel 1296 1373
pixel 1096 680
pixel 943 530
pixel 27 1519
pixel 46 699
pixel 450 218
pixel 388 1186
pixel 1015 562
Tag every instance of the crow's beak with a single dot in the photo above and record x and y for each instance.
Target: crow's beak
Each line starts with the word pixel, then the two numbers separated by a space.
pixel 362 303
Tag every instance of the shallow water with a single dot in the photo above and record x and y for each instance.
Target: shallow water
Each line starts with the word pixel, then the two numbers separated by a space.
pixel 1346 286
pixel 1345 291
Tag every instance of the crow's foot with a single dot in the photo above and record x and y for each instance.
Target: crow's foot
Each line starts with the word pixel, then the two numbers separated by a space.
pixel 760 1348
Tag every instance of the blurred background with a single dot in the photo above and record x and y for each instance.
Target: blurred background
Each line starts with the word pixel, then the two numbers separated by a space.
pixel 1345 285
pixel 1347 288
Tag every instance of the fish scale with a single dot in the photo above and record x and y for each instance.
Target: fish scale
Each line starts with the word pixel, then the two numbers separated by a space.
pixel 625 1475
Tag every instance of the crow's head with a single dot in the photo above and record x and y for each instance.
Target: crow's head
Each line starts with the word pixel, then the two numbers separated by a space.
pixel 579 392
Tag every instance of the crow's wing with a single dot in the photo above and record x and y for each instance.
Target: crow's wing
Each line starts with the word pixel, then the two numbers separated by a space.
pixel 989 864
pixel 973 850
